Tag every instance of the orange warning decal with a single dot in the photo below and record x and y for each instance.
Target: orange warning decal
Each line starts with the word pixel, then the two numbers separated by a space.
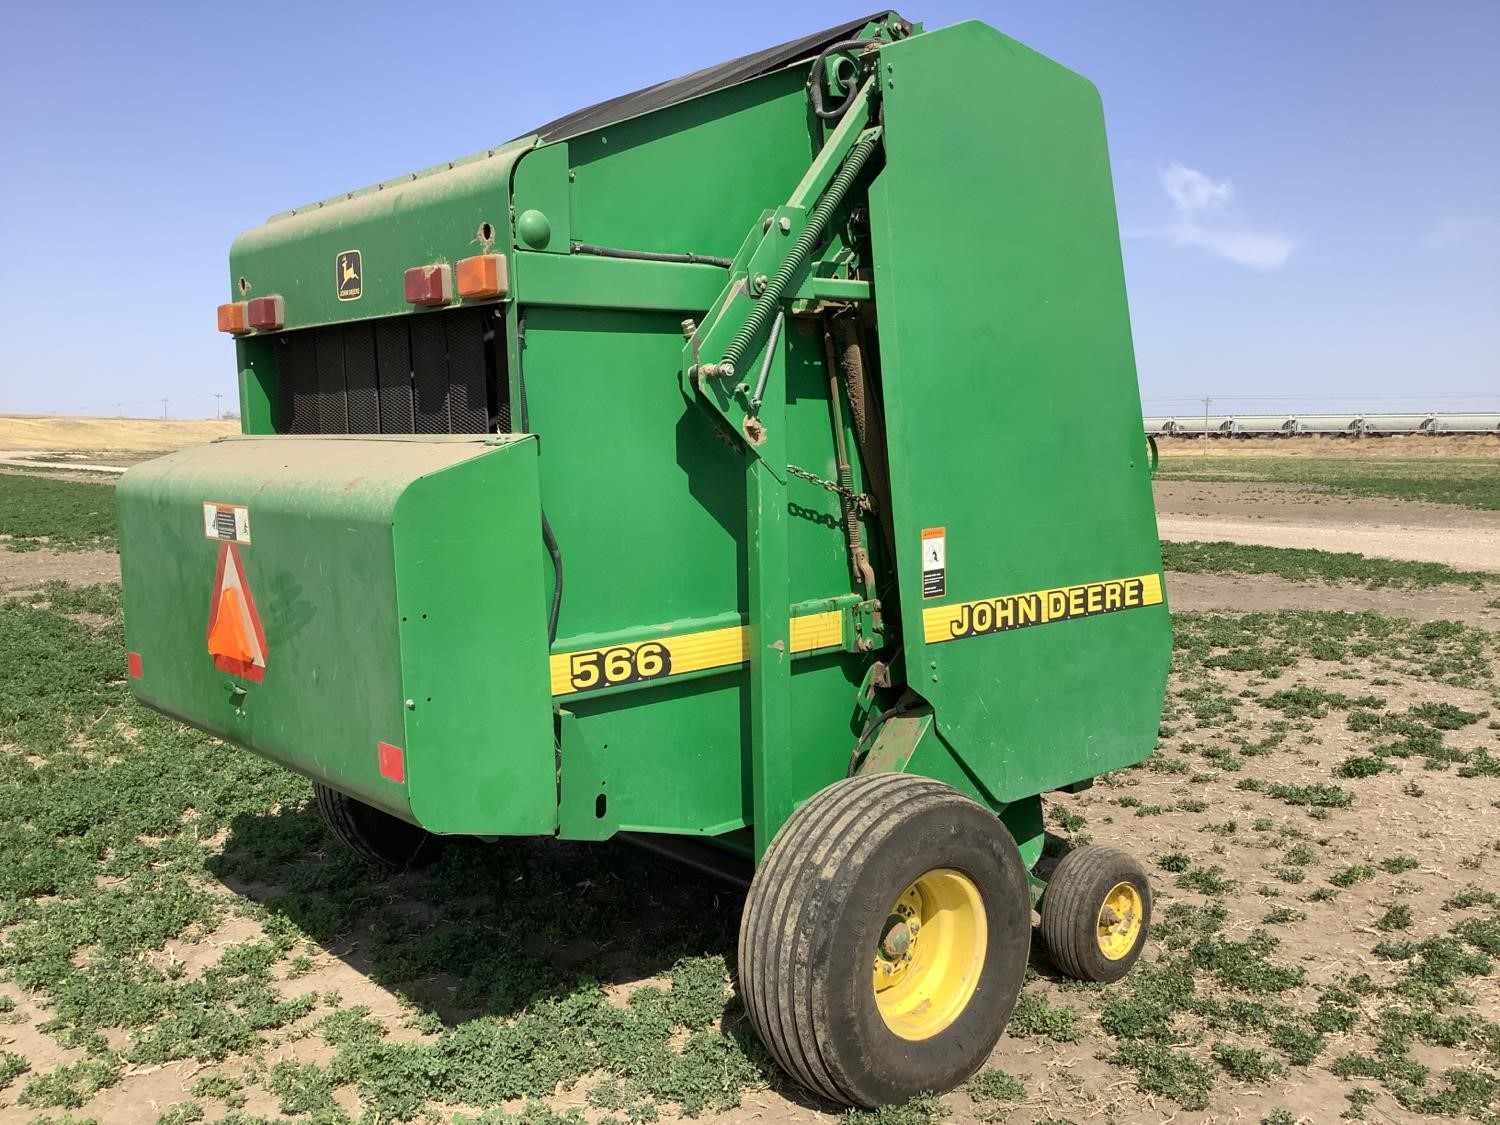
pixel 236 640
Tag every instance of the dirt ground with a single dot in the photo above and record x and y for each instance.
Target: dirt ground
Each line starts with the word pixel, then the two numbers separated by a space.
pixel 1266 593
pixel 23 571
pixel 1181 451
pixel 1435 831
pixel 1297 515
pixel 102 439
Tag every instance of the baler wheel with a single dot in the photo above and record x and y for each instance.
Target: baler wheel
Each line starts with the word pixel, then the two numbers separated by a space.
pixel 1095 913
pixel 375 835
pixel 885 939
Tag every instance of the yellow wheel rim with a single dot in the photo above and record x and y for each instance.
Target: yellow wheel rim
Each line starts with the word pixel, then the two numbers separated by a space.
pixel 930 954
pixel 1120 918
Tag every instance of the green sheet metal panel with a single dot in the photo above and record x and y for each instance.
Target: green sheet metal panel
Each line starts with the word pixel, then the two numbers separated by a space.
pixel 473 627
pixel 382 570
pixel 648 505
pixel 692 177
pixel 1014 413
pixel 414 220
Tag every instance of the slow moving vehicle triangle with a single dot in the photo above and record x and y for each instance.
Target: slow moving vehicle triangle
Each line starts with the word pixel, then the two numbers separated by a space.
pixel 236 640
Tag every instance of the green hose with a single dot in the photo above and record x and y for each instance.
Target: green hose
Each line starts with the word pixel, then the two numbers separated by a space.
pixel 770 298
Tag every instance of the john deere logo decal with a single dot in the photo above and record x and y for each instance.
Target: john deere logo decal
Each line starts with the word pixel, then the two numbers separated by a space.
pixel 349 275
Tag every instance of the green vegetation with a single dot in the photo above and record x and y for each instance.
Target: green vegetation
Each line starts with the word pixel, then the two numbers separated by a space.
pixel 121 830
pixel 1397 917
pixel 1035 1018
pixel 1316 796
pixel 110 822
pixel 1246 1063
pixel 1164 1070
pixel 68 515
pixel 1470 482
pixel 1304 565
pixel 1207 880
pixel 1268 643
pixel 11 1068
pixel 921 1110
pixel 993 1084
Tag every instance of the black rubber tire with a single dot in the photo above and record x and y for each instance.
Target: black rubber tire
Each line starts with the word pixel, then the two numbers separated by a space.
pixel 1070 911
pixel 375 835
pixel 814 915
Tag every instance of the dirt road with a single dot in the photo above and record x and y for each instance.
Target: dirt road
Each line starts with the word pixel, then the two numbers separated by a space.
pixel 1293 515
pixel 23 459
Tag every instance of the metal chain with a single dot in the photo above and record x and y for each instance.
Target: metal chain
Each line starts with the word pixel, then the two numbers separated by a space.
pixel 860 500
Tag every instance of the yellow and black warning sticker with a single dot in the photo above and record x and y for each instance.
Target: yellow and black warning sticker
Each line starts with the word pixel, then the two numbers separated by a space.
pixel 349 275
pixel 592 668
pixel 1040 607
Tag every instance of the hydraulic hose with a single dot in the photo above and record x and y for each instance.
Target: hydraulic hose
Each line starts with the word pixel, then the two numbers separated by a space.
pixel 649 255
pixel 769 302
pixel 549 540
pixel 815 78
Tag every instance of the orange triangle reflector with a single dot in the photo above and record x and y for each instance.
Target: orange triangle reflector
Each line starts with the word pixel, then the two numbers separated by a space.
pixel 228 637
pixel 236 640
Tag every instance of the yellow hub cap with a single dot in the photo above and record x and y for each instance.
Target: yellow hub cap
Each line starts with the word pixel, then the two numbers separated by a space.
pixel 1119 923
pixel 930 954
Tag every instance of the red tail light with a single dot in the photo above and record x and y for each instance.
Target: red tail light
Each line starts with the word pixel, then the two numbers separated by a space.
pixel 266 313
pixel 429 285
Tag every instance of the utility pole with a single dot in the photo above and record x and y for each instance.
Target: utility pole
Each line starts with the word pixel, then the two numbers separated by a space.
pixel 218 414
pixel 164 406
pixel 1206 400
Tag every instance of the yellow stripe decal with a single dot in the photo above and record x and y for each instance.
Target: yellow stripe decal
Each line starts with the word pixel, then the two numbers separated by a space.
pixel 1040 607
pixel 591 668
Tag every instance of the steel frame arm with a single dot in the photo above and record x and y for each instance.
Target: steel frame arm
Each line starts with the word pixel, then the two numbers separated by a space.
pixel 771 265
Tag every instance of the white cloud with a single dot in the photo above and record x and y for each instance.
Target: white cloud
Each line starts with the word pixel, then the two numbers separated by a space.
pixel 1456 231
pixel 1203 216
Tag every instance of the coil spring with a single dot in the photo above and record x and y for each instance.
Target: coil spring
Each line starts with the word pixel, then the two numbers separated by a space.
pixel 770 298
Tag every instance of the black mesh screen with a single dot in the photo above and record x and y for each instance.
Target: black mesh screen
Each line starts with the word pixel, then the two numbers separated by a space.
pixel 433 373
pixel 393 363
pixel 429 374
pixel 333 406
pixel 467 409
pixel 359 378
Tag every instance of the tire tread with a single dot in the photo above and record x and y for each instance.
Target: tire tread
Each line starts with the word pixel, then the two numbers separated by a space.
pixel 369 833
pixel 827 834
pixel 1071 906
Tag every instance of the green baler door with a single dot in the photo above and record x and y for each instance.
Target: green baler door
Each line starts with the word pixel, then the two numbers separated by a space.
pixel 1032 606
pixel 368 611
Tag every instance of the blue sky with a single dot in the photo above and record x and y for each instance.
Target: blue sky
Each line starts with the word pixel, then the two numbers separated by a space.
pixel 1309 193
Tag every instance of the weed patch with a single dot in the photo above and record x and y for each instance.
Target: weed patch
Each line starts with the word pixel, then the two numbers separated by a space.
pixel 1164 1070
pixel 1303 565
pixel 1035 1018
pixel 1468 482
pixel 993 1084
pixel 63 514
pixel 1246 1063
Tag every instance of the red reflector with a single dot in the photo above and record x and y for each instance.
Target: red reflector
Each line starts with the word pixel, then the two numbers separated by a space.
pixel 232 318
pixel 429 285
pixel 133 664
pixel 265 313
pixel 392 762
